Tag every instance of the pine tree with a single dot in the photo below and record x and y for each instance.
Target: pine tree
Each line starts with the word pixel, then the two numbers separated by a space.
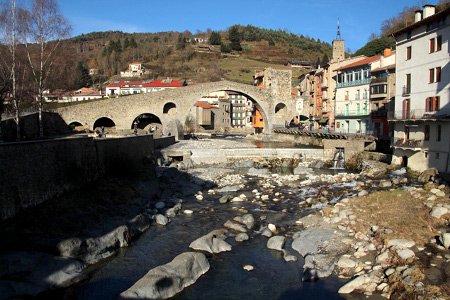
pixel 235 38
pixel 215 38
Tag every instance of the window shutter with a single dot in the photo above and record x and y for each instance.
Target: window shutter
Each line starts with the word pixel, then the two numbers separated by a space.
pixel 438 105
pixel 438 74
pixel 439 43
pixel 428 104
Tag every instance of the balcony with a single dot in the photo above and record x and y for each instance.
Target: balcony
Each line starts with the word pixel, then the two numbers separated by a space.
pixel 408 143
pixel 378 80
pixel 406 90
pixel 351 83
pixel 418 114
pixel 351 113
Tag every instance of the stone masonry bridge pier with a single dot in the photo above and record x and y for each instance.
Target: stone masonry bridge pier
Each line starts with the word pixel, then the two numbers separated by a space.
pixel 172 107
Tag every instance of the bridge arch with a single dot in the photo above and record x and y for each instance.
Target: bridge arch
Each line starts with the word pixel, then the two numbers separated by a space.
pixel 104 122
pixel 170 108
pixel 75 124
pixel 144 120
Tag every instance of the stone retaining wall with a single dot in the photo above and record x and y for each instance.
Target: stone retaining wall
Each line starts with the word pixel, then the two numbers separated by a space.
pixel 33 172
pixel 216 156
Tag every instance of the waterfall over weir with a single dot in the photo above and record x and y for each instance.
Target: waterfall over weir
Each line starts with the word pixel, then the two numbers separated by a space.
pixel 339 159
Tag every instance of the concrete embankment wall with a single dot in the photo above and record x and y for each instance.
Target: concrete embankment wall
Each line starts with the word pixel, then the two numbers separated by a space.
pixel 209 156
pixel 33 172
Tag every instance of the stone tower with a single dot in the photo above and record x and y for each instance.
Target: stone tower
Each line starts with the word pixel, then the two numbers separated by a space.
pixel 338 46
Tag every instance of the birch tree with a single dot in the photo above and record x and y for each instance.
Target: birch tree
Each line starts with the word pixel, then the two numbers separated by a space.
pixel 44 28
pixel 9 35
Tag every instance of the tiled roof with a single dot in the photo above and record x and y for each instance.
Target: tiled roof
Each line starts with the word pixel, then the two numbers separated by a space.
pixel 362 62
pixel 204 105
pixel 164 83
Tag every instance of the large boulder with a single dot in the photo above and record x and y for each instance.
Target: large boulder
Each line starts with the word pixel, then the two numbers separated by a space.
pixel 374 169
pixel 38 272
pixel 213 242
pixel 96 249
pixel 428 175
pixel 276 242
pixel 167 280
pixel 234 226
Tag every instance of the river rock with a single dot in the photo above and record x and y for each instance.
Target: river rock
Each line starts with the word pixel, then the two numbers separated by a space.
pixel 346 262
pixel 173 211
pixel 400 244
pixel 225 198
pixel 438 212
pixel 354 284
pixel 427 175
pixel 385 183
pixel 104 246
pixel 276 242
pixel 363 193
pixel 213 242
pixel 272 228
pixel 188 212
pixel 405 253
pixel 70 247
pixel 167 280
pixel 311 239
pixel 318 266
pixel 234 226
pixel 248 268
pixel 138 224
pixel 248 220
pixel 241 237
pixel 266 232
pixel 38 272
pixel 374 169
pixel 161 220
pixel 317 164
pixel 444 238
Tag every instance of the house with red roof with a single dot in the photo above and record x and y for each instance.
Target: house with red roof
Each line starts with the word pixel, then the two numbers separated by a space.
pixel 121 88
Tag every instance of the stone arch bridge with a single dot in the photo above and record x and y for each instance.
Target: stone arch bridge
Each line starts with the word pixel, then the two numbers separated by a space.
pixel 172 107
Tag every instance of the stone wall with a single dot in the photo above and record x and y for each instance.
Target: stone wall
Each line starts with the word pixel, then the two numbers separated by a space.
pixel 33 172
pixel 351 147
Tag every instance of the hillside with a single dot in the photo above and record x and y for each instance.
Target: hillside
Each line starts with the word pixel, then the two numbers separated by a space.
pixel 178 55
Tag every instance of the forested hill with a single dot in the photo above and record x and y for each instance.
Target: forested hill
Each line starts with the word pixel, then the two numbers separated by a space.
pixel 186 55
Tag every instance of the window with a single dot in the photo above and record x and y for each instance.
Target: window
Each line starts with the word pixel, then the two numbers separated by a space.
pixel 408 53
pixel 439 43
pixel 431 75
pixel 432 42
pixel 427 133
pixel 407 87
pixel 434 75
pixel 437 155
pixel 432 104
pixel 438 133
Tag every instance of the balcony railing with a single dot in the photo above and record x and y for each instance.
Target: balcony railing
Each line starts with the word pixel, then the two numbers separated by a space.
pixel 354 82
pixel 351 113
pixel 408 143
pixel 417 114
pixel 379 113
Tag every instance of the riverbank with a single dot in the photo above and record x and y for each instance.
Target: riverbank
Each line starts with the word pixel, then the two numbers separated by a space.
pixel 125 229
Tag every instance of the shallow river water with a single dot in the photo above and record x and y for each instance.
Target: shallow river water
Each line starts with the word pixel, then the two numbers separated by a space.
pixel 272 277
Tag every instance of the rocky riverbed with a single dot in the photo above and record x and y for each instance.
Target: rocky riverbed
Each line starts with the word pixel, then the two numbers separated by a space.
pixel 183 232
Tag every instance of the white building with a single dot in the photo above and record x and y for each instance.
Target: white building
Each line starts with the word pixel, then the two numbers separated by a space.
pixel 352 106
pixel 135 69
pixel 121 88
pixel 422 105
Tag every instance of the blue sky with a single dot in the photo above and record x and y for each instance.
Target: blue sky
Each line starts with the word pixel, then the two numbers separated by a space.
pixel 315 18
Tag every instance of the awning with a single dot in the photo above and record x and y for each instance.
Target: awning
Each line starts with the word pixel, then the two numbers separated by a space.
pixel 323 120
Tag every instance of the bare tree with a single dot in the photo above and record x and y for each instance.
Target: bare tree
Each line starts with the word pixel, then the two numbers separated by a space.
pixel 44 28
pixel 9 32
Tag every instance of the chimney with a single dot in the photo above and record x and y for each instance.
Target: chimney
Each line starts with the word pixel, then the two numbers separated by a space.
pixel 387 52
pixel 417 16
pixel 428 10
